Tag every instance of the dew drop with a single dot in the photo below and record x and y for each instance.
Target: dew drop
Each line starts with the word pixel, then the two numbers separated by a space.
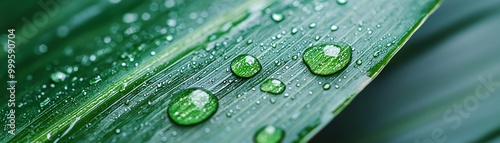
pixel 95 80
pixel 58 76
pixel 191 106
pixel 326 86
pixel 117 131
pixel 312 25
pixel 327 59
pixel 269 134
pixel 359 62
pixel 334 27
pixel 130 17
pixel 376 54
pixel 341 2
pixel 245 66
pixel 272 85
pixel 277 17
pixel 294 30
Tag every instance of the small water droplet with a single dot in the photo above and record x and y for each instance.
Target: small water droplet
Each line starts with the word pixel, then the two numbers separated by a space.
pixel 272 100
pixel 341 2
pixel 317 38
pixel 327 59
pixel 269 134
pixel 169 38
pixel 95 80
pixel 326 86
pixel 312 25
pixel 294 30
pixel 191 106
pixel 334 27
pixel 130 17
pixel 245 66
pixel 359 62
pixel 277 63
pixel 272 85
pixel 58 76
pixel 376 54
pixel 277 17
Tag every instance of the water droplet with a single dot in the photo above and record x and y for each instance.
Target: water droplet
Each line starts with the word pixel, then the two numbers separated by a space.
pixel 359 62
pixel 245 66
pixel 376 54
pixel 277 63
pixel 191 106
pixel 169 37
pixel 272 85
pixel 317 38
pixel 326 86
pixel 171 22
pixel 334 27
pixel 45 102
pixel 295 57
pixel 95 80
pixel 312 25
pixel 269 134
pixel 272 100
pixel 294 30
pixel 130 17
pixel 58 76
pixel 249 42
pixel 277 17
pixel 341 2
pixel 327 59
pixel 117 131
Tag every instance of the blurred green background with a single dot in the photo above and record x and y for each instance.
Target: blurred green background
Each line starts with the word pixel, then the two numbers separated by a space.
pixel 435 71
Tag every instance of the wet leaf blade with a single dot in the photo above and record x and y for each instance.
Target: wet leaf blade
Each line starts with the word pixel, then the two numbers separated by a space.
pixel 141 67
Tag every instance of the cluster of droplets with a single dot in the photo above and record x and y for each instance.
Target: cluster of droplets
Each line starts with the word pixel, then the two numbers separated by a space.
pixel 194 105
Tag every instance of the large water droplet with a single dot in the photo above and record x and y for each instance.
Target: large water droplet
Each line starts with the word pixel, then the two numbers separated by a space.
pixel 245 66
pixel 327 59
pixel 273 86
pixel 191 106
pixel 269 134
pixel 277 17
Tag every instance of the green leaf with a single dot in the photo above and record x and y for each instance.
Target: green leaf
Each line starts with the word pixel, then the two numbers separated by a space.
pixel 122 64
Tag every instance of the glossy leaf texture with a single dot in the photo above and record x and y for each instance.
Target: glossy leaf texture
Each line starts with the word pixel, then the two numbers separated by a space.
pixel 107 70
